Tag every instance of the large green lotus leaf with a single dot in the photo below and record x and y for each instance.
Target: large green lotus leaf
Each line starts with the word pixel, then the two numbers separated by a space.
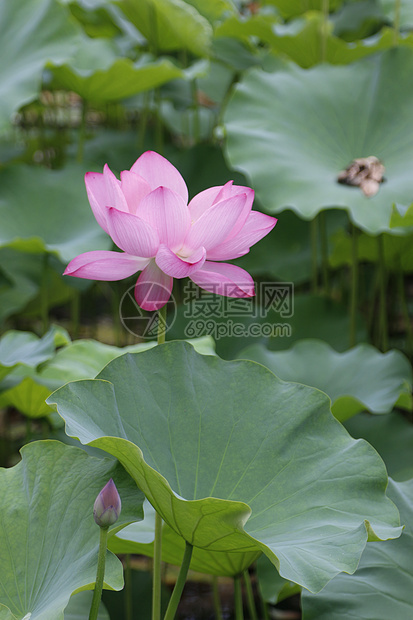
pixel 398 251
pixel 123 78
pixel 79 607
pixel 382 586
pixel 46 210
pixel 26 348
pixel 82 359
pixel 31 33
pixel 169 24
pixel 234 459
pixel 391 435
pixel 49 540
pixel 361 378
pixel 301 42
pixel 293 131
pixel 138 538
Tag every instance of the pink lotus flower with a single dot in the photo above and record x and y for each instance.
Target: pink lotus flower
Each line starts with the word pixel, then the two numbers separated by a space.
pixel 148 217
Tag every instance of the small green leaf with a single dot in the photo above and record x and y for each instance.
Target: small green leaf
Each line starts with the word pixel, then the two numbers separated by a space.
pixel 48 538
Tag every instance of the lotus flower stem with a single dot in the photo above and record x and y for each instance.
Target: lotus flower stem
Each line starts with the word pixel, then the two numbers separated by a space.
pixel 354 284
pixel 100 573
pixel 239 611
pixel 250 595
pixel 180 583
pixel 383 305
pixel 314 255
pixel 157 545
pixel 217 602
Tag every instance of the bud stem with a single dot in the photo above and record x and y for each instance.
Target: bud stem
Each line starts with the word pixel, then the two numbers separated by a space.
pixel 180 582
pixel 100 573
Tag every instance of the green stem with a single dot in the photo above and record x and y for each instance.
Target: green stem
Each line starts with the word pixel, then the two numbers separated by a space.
pixel 82 134
pixel 44 294
pixel 265 613
pixel 195 106
pixel 354 284
pixel 250 596
pixel 405 311
pixel 383 302
pixel 239 611
pixel 180 583
pixel 100 573
pixel 157 564
pixel 397 6
pixel 324 252
pixel 117 329
pixel 314 256
pixel 161 324
pixel 75 314
pixel 217 601
pixel 144 120
pixel 128 589
pixel 158 122
pixel 157 549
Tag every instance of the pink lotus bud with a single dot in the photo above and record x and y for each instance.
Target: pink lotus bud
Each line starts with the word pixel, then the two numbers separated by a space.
pixel 106 509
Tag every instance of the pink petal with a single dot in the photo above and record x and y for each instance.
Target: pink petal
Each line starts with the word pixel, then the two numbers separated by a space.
pixel 256 227
pixel 104 265
pixel 204 200
pixel 134 188
pixel 168 214
pixel 158 171
pixel 216 223
pixel 104 190
pixel 178 267
pixel 224 279
pixel 153 288
pixel 131 234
